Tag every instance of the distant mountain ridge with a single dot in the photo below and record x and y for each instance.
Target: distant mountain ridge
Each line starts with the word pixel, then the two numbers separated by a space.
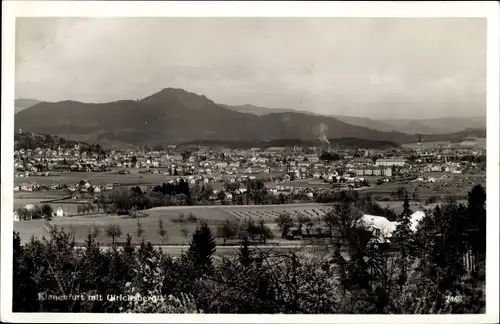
pixel 21 104
pixel 173 116
pixel 409 126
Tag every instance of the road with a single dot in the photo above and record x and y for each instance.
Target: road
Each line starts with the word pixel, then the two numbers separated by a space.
pixel 221 249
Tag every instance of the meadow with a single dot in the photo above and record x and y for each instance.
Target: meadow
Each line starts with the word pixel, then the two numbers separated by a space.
pixel 98 178
pixel 112 177
pixel 454 185
pixel 212 215
pixel 54 198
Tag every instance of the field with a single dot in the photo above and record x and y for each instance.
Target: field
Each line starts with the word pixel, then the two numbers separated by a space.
pixel 104 178
pixel 38 198
pixel 98 178
pixel 456 185
pixel 269 214
pixel 309 183
pixel 214 215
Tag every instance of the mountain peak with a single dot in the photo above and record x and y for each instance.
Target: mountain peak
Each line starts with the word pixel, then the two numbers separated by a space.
pixel 176 96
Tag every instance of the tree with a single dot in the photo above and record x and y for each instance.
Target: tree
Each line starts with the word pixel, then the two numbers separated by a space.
pixel 139 231
pixel 94 231
pixel 256 191
pixel 158 147
pixel 90 208
pixel 113 231
pixel 184 231
pixel 47 211
pixel 133 160
pixel 201 249
pixel 415 196
pixel 301 222
pixel 250 229
pixel 227 231
pixel 23 214
pixel 245 255
pixel 221 195
pixel 404 240
pixel 36 213
pixel 401 192
pixel 284 222
pixel 476 223
pixel 161 230
pixel 264 232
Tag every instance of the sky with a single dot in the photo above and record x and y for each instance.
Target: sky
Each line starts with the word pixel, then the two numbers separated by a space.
pixel 371 67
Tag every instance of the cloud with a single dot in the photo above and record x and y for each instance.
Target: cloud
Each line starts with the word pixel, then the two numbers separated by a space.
pixel 320 64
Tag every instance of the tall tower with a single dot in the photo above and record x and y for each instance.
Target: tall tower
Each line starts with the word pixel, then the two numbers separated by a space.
pixel 419 143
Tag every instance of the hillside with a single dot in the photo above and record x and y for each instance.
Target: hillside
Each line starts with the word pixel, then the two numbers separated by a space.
pixel 174 116
pixel 21 104
pixel 33 141
pixel 438 125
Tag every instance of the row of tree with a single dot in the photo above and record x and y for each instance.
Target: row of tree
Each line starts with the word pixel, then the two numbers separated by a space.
pixel 38 212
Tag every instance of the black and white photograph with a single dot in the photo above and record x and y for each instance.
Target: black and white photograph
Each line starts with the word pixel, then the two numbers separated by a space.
pixel 292 162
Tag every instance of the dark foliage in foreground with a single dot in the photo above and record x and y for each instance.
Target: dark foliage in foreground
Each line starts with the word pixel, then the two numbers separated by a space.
pixel 438 269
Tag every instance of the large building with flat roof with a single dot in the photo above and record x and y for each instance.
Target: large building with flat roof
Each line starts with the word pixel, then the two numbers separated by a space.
pixel 390 162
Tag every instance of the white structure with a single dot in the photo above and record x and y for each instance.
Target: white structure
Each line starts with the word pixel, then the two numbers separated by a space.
pixel 416 217
pixel 390 162
pixel 16 216
pixel 59 212
pixel 383 228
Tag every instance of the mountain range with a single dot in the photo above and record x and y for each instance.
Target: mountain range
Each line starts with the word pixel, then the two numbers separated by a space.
pixel 176 116
pixel 409 126
pixel 21 104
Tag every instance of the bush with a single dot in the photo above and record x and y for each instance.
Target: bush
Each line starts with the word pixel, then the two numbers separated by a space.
pixel 138 214
pixel 191 218
pixel 431 200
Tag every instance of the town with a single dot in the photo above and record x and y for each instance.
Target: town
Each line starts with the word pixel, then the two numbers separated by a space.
pixel 285 170
pixel 76 180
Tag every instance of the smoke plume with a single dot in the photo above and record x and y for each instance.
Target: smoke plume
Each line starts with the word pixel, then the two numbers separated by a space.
pixel 322 133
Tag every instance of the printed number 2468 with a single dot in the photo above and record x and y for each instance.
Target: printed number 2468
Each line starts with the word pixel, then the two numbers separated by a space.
pixel 453 299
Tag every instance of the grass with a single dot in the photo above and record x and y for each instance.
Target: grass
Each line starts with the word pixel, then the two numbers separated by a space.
pixel 213 216
pixel 104 178
pixel 99 178
pixel 269 214
pixel 457 185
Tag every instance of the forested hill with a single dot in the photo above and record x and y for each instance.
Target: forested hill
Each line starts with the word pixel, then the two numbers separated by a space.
pixel 27 140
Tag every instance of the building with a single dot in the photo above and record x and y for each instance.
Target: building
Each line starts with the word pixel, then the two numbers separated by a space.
pixel 383 229
pixel 387 172
pixel 390 162
pixel 60 212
